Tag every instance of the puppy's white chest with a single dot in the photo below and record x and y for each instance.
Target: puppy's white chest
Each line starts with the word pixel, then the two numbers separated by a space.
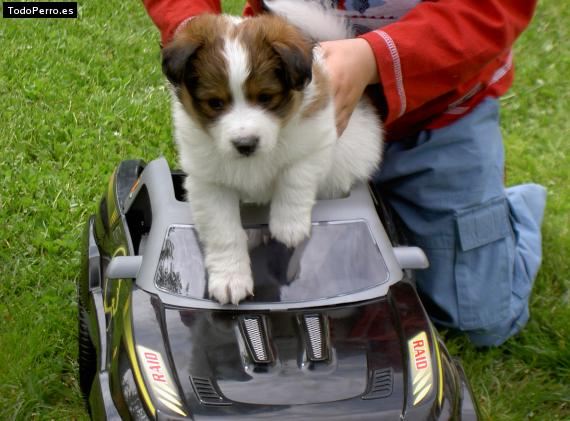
pixel 260 194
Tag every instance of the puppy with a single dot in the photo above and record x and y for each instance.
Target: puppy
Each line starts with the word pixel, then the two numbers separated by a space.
pixel 254 121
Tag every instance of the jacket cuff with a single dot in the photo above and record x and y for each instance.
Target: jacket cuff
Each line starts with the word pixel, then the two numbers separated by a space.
pixel 389 72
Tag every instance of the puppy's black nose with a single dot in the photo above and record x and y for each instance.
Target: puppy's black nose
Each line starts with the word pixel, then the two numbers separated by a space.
pixel 246 145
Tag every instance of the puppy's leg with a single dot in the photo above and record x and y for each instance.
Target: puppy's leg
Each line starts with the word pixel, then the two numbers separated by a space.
pixel 216 213
pixel 293 199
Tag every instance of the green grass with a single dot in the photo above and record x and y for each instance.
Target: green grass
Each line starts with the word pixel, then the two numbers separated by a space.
pixel 77 96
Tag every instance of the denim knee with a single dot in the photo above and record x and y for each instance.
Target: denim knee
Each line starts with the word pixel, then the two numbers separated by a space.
pixel 526 204
pixel 469 283
pixel 481 283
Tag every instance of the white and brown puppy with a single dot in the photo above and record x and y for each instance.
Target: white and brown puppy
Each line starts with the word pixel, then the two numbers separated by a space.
pixel 254 120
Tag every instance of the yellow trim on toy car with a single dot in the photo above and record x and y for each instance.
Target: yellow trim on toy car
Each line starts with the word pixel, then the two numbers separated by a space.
pixel 439 368
pixel 421 366
pixel 129 343
pixel 160 381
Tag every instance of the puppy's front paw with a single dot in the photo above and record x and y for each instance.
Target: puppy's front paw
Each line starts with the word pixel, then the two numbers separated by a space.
pixel 229 287
pixel 289 231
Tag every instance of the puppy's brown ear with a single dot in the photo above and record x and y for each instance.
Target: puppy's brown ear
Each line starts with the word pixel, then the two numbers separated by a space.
pixel 175 58
pixel 297 61
pixel 291 47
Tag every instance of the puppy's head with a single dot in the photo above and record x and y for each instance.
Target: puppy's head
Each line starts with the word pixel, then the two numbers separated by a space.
pixel 239 79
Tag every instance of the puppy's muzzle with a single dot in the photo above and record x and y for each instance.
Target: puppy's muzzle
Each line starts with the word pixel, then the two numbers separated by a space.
pixel 246 145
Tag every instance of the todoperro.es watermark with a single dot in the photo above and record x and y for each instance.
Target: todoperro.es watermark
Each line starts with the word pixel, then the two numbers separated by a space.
pixel 44 9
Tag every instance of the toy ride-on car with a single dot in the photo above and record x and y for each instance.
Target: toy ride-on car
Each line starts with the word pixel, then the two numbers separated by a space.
pixel 335 331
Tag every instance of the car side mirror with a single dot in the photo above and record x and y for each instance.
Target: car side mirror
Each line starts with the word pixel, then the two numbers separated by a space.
pixel 124 267
pixel 411 258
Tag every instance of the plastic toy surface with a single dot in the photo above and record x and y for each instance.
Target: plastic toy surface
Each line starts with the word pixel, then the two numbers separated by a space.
pixel 335 329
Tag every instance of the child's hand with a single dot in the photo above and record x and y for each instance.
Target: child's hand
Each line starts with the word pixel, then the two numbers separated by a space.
pixel 352 67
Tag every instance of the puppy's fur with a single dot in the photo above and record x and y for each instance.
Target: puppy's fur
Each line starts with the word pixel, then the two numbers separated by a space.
pixel 254 120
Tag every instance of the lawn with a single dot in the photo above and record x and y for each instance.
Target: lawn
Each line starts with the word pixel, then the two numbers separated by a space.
pixel 78 96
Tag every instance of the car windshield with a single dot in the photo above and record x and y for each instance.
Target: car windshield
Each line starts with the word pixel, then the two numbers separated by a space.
pixel 338 259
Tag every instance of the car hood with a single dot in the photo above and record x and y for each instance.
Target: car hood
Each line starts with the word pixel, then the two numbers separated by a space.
pixel 326 363
pixel 317 363
pixel 265 358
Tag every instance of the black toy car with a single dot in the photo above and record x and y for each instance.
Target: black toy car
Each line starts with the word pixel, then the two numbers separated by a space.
pixel 335 331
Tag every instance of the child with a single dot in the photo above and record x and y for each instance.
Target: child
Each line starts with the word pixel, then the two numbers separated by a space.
pixel 435 70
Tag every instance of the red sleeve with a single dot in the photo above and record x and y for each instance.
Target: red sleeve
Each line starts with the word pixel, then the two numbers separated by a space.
pixel 440 45
pixel 167 15
pixel 252 8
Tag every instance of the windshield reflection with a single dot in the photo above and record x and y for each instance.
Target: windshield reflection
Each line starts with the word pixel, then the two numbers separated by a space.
pixel 338 259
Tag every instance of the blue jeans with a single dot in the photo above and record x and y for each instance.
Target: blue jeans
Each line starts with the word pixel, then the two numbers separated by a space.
pixel 483 241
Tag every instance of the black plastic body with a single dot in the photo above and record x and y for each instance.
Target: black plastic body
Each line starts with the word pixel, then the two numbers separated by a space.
pixel 206 356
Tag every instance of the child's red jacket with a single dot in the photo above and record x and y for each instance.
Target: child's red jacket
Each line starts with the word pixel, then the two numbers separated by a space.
pixel 435 64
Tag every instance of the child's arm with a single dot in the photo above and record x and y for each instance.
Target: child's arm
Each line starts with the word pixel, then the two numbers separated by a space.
pixel 441 46
pixel 168 15
pixel 352 67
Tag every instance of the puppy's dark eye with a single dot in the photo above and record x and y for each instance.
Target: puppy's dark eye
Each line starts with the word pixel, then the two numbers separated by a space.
pixel 264 98
pixel 216 104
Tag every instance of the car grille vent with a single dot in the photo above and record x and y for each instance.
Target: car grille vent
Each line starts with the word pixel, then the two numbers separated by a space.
pixel 317 347
pixel 256 337
pixel 206 392
pixel 381 386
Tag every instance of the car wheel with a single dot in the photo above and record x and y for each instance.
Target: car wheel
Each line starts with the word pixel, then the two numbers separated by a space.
pixel 87 357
